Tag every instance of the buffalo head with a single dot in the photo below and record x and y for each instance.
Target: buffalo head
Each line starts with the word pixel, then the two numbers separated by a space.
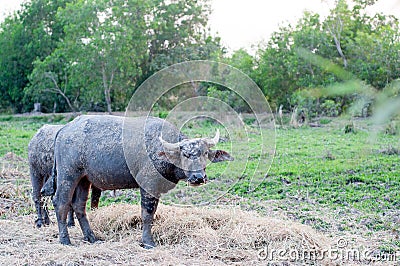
pixel 191 155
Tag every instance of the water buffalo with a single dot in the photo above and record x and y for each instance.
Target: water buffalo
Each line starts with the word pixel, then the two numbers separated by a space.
pixel 41 160
pixel 150 154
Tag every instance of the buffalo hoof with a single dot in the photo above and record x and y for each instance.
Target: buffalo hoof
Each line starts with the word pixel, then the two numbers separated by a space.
pixel 39 223
pixel 90 238
pixel 65 241
pixel 148 244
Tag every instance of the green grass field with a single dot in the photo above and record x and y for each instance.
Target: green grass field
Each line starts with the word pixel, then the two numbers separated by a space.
pixel 340 184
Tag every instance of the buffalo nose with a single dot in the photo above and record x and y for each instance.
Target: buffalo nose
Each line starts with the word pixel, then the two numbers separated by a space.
pixel 197 178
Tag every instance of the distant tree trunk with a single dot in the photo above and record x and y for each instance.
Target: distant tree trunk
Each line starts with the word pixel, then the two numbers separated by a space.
pixel 36 107
pixel 336 29
pixel 108 100
pixel 339 49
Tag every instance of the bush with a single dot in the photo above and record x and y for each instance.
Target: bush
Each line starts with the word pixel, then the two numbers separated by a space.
pixel 314 106
pixel 229 97
pixel 249 120
pixel 330 108
pixel 6 118
pixel 324 121
pixel 163 114
pixel 306 101
pixel 361 106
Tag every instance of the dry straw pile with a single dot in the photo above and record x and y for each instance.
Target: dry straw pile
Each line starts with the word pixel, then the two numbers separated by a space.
pixel 220 234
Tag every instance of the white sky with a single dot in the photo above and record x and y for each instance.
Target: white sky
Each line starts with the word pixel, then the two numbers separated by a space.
pixel 243 23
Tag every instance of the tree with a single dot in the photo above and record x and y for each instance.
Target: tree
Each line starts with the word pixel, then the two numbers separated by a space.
pixel 375 54
pixel 242 60
pixel 280 71
pixel 52 76
pixel 103 46
pixel 308 55
pixel 177 32
pixel 336 25
pixel 31 33
pixel 13 64
pixel 110 47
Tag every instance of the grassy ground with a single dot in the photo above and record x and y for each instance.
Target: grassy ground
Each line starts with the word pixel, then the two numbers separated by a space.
pixel 343 185
pixel 16 132
pixel 338 183
pixel 346 185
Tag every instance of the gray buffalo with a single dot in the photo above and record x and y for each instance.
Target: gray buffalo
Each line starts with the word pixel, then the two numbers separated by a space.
pixel 41 160
pixel 150 154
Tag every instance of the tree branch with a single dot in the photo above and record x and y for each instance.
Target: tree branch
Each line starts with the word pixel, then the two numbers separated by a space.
pixel 57 89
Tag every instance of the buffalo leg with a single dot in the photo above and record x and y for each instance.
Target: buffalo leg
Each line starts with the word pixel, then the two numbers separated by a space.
pixel 79 206
pixel 71 220
pixel 37 183
pixel 62 205
pixel 42 215
pixel 96 193
pixel 62 210
pixel 149 207
pixel 46 217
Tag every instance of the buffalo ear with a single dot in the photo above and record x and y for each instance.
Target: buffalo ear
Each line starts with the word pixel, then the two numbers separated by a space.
pixel 216 156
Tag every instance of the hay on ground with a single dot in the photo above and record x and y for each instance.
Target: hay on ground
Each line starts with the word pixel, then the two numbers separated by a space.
pixel 15 190
pixel 185 236
pixel 228 235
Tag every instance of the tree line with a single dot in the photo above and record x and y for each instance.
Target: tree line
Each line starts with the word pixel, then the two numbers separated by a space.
pixel 91 55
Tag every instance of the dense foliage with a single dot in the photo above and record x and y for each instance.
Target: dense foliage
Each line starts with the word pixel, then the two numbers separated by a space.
pixel 91 55
pixel 357 47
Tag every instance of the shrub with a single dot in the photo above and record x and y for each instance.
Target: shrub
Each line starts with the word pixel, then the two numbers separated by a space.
pixel 313 106
pixel 307 102
pixel 6 118
pixel 361 106
pixel 163 114
pixel 324 121
pixel 249 120
pixel 330 108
